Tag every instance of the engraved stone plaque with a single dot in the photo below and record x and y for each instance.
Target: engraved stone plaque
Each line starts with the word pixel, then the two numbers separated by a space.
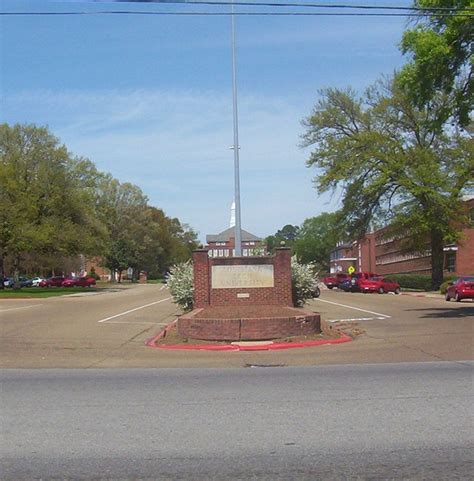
pixel 231 277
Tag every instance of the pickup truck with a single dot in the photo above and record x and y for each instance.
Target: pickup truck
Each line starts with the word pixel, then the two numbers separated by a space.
pixel 334 280
pixel 353 282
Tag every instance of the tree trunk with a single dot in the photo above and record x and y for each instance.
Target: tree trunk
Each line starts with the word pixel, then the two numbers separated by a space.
pixel 437 259
pixel 2 271
pixel 16 272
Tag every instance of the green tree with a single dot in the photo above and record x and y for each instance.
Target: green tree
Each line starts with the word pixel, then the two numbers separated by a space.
pixel 46 197
pixel 140 237
pixel 284 236
pixel 316 238
pixel 440 48
pixel 122 209
pixel 393 164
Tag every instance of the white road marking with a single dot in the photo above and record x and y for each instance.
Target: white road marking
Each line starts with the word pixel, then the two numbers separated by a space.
pixel 355 319
pixel 133 310
pixel 384 316
pixel 16 308
pixel 164 286
pixel 131 322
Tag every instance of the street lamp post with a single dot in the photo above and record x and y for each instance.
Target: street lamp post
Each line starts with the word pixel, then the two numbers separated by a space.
pixel 238 230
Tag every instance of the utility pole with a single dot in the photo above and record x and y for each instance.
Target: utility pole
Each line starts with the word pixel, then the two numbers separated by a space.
pixel 238 229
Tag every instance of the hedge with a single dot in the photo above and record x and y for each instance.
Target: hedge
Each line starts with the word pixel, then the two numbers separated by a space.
pixel 416 281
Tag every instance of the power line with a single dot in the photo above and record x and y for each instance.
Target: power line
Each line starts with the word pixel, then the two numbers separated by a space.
pixel 293 5
pixel 250 14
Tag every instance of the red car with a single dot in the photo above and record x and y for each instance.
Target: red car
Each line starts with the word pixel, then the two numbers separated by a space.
pixel 353 284
pixel 379 284
pixel 79 282
pixel 335 279
pixel 461 288
pixel 56 281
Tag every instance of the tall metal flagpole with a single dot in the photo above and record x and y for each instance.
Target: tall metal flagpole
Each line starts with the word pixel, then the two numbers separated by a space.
pixel 238 230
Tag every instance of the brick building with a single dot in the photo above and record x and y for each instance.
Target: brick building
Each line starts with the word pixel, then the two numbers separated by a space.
pixel 223 244
pixel 377 253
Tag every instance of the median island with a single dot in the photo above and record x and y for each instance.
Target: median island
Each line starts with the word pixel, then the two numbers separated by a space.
pixel 244 301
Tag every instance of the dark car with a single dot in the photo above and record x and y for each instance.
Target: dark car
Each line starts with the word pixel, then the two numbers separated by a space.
pixel 56 281
pixel 353 284
pixel 23 281
pixel 461 288
pixel 79 282
pixel 346 285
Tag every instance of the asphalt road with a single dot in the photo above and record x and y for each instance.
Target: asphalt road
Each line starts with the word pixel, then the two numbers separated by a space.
pixel 110 329
pixel 384 421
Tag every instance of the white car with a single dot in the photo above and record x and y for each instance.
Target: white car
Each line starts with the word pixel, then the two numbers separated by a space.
pixel 36 281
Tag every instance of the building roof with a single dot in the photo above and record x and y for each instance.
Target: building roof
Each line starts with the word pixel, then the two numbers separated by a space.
pixel 225 236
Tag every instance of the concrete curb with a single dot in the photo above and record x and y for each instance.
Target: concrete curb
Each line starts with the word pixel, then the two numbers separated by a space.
pixel 231 347
pixel 423 294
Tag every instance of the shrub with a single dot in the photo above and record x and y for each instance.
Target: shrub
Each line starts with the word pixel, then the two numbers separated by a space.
pixel 414 281
pixel 303 281
pixel 180 283
pixel 93 274
pixel 444 286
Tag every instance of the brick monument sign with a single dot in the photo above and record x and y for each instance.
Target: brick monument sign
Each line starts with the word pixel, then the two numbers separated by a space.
pixel 245 298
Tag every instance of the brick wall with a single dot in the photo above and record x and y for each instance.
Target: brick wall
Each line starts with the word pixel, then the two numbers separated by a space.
pixel 279 294
pixel 261 328
pixel 202 284
pixel 465 254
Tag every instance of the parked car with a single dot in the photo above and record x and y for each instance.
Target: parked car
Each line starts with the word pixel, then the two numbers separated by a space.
pixel 35 282
pixel 334 280
pixel 55 281
pixel 379 284
pixel 353 283
pixel 25 282
pixel 346 285
pixel 461 288
pixel 78 282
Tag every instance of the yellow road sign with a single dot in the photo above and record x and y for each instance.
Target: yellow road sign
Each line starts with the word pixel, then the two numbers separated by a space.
pixel 351 270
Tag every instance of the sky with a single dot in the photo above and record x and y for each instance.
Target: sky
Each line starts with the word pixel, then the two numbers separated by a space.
pixel 149 98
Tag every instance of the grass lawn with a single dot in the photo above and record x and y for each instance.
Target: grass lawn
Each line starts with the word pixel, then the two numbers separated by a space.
pixel 41 292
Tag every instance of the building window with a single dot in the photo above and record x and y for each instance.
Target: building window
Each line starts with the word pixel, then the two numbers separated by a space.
pixel 450 261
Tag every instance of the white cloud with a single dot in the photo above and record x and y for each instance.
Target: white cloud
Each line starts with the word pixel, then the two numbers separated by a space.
pixel 175 146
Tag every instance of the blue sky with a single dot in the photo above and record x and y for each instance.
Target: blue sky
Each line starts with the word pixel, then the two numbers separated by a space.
pixel 149 98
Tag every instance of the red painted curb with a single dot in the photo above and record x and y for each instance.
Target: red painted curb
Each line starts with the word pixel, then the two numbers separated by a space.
pixel 229 347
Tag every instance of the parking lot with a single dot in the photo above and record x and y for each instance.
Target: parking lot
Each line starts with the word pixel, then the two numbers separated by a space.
pixel 110 328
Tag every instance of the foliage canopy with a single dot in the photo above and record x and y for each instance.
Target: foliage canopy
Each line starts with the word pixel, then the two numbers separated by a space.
pixel 392 163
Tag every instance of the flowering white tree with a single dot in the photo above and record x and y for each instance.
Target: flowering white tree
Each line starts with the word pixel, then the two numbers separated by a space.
pixel 304 281
pixel 180 282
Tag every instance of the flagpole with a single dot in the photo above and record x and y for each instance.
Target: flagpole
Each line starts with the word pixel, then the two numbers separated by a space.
pixel 238 229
